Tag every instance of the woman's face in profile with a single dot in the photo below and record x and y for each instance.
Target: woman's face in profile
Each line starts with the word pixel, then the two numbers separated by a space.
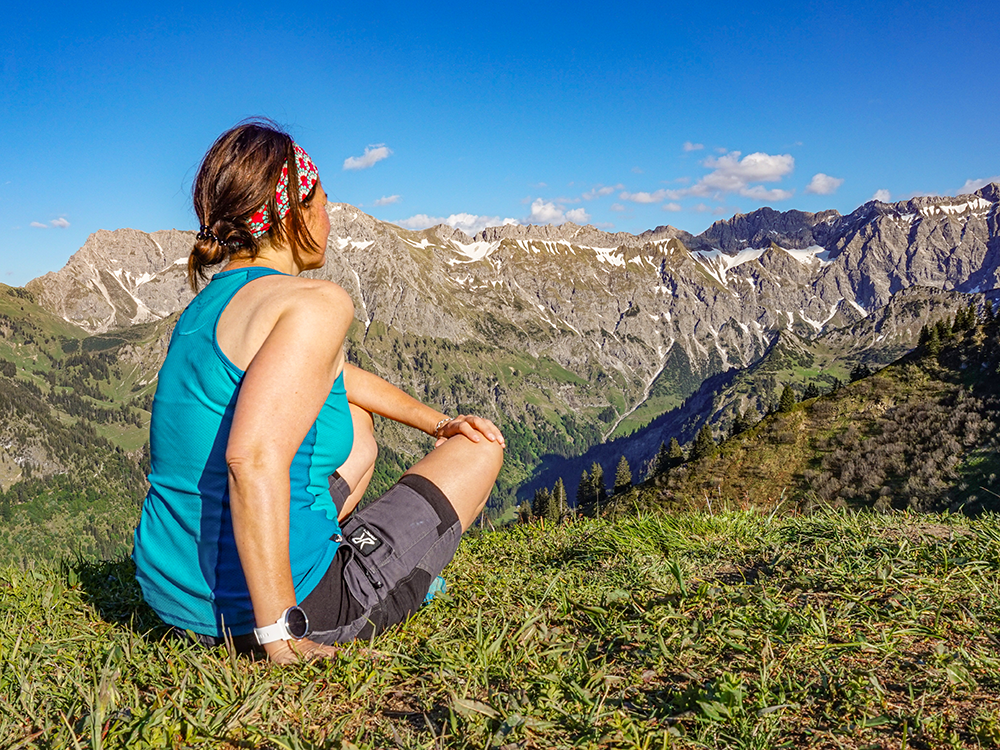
pixel 318 222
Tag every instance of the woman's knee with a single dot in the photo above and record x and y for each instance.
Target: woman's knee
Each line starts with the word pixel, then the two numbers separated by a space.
pixel 477 462
pixel 492 455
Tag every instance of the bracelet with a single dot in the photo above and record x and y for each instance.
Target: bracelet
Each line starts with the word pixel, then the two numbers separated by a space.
pixel 439 425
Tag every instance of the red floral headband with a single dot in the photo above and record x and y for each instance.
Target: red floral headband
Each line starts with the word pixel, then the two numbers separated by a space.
pixel 260 222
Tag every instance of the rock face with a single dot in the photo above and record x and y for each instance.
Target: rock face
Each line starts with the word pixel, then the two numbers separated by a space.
pixel 619 305
pixel 118 279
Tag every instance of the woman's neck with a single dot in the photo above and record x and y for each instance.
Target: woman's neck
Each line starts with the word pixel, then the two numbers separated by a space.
pixel 278 259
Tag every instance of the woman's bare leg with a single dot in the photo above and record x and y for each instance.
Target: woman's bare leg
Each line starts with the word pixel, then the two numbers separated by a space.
pixel 357 470
pixel 464 471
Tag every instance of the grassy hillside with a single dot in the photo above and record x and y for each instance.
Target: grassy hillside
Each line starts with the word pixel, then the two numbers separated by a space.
pixel 733 395
pixel 73 432
pixel 734 630
pixel 921 434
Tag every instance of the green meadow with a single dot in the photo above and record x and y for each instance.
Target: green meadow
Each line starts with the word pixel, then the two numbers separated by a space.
pixel 735 630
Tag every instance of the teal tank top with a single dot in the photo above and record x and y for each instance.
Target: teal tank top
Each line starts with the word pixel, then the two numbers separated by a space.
pixel 185 554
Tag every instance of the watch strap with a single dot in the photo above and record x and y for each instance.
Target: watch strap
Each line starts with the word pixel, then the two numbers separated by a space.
pixel 270 633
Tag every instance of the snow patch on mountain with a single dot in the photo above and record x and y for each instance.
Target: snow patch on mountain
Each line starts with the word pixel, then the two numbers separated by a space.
pixel 473 251
pixel 806 255
pixel 955 209
pixel 717 263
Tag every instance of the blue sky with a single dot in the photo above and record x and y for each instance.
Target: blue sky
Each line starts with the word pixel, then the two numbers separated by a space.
pixel 626 116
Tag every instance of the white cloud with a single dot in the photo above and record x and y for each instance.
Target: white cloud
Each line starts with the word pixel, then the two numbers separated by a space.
pixel 60 223
pixel 545 212
pixel 373 154
pixel 643 197
pixel 688 146
pixel 599 191
pixel 972 186
pixel 471 224
pixel 823 184
pixel 387 200
pixel 730 174
pixel 636 170
pixel 38 225
pixel 882 195
pixel 548 212
pixel 761 193
pixel 672 207
pixel 617 207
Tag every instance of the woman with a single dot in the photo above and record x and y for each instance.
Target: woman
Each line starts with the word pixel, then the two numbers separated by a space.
pixel 262 436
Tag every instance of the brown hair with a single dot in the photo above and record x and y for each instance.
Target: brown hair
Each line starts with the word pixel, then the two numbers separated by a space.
pixel 238 175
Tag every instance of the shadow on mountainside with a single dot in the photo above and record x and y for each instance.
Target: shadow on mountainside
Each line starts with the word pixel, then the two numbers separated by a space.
pixel 638 448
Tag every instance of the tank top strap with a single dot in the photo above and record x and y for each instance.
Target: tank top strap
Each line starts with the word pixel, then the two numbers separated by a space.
pixel 201 317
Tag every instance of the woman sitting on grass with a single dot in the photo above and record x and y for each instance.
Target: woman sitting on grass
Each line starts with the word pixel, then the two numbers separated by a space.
pixel 262 435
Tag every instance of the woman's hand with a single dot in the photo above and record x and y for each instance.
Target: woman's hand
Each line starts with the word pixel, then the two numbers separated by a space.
pixel 292 652
pixel 473 427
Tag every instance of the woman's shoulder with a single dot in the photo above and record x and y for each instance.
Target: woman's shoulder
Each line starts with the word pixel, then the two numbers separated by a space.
pixel 281 307
pixel 302 296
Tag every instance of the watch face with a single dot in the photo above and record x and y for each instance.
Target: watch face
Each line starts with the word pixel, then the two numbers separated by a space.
pixel 297 622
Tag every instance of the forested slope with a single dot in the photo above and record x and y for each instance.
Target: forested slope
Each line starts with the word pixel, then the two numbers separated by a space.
pixel 921 434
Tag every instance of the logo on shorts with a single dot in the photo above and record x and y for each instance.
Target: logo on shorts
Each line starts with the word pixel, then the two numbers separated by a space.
pixel 365 541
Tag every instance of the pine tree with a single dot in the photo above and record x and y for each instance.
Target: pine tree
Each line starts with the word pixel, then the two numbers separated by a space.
pixel 971 316
pixel 988 310
pixel 676 454
pixel 746 420
pixel 704 444
pixel 597 481
pixel 787 401
pixel 623 477
pixel 812 391
pixel 661 463
pixel 541 502
pixel 925 335
pixel 584 494
pixel 860 371
pixel 557 506
pixel 933 345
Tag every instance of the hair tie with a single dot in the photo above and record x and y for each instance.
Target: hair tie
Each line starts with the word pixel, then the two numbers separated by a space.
pixel 260 222
pixel 204 233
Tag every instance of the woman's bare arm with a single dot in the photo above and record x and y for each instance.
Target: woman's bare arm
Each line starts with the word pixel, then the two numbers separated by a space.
pixel 284 388
pixel 378 396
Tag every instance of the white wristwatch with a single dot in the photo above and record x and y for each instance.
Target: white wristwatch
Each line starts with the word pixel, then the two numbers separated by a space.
pixel 292 625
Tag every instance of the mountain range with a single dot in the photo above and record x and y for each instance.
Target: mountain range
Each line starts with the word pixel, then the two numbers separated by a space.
pixel 633 306
pixel 571 336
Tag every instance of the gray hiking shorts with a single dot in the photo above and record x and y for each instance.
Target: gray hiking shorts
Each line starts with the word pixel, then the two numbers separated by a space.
pixel 390 553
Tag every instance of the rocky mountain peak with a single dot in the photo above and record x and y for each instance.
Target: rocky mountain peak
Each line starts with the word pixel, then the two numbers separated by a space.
pixel 990 192
pixel 791 229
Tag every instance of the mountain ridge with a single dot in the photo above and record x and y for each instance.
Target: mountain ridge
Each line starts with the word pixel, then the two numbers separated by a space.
pixel 630 306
